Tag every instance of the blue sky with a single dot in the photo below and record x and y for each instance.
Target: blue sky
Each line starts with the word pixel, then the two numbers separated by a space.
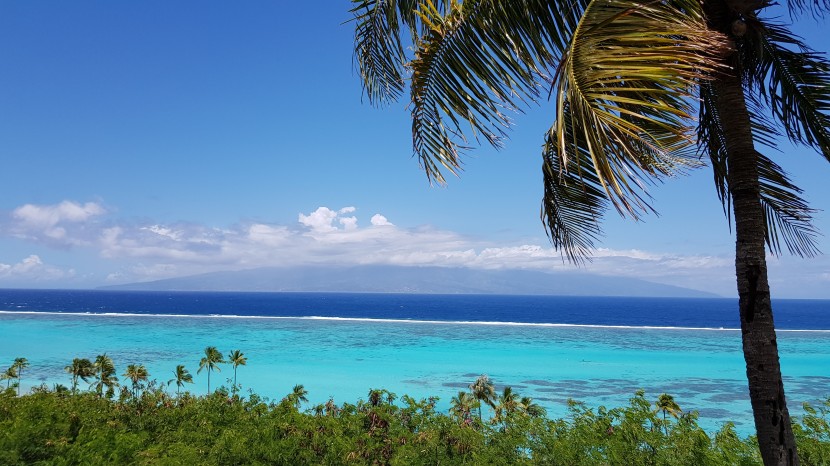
pixel 152 139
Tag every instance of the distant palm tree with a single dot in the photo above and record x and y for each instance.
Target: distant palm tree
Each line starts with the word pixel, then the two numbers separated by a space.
pixel 461 406
pixel 237 358
pixel 508 404
pixel 20 364
pixel 331 408
pixel 81 368
pixel 137 373
pixel 532 408
pixel 8 375
pixel 483 390
pixel 210 362
pixel 297 396
pixel 181 377
pixel 667 405
pixel 105 370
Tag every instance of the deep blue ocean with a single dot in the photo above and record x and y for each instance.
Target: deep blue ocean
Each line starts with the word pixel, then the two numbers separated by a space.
pixel 610 311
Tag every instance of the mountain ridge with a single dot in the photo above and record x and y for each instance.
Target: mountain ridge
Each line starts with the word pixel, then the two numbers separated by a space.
pixel 427 280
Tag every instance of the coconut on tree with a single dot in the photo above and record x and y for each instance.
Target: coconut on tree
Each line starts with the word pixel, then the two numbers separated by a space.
pixel 210 362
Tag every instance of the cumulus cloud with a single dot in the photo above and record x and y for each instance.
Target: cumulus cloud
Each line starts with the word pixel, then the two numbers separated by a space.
pixel 379 220
pixel 65 224
pixel 320 220
pixel 30 269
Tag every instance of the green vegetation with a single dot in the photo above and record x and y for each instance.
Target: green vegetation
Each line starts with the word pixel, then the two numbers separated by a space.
pixel 152 426
pixel 49 427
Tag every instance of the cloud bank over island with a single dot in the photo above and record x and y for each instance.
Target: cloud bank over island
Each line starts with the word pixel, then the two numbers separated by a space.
pixel 129 250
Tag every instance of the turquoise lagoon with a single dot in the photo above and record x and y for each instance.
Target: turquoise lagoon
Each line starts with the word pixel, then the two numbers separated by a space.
pixel 344 358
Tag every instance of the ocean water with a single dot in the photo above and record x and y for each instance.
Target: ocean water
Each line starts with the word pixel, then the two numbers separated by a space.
pixel 595 350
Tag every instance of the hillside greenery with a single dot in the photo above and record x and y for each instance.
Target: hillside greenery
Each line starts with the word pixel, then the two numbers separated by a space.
pixel 57 427
pixel 143 422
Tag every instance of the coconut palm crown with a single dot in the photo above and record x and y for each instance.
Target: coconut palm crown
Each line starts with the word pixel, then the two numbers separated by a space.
pixel 80 369
pixel 20 364
pixel 181 376
pixel 137 374
pixel 210 362
pixel 236 358
pixel 640 91
pixel 104 369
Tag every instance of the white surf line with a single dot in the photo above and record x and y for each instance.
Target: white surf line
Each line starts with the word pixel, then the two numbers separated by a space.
pixel 400 321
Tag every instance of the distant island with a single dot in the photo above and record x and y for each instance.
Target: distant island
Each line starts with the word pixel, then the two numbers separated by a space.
pixel 399 279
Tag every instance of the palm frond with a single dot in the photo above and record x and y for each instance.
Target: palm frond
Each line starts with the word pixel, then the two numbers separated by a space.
pixel 379 45
pixel 817 8
pixel 710 139
pixel 475 64
pixel 793 81
pixel 574 201
pixel 787 215
pixel 627 80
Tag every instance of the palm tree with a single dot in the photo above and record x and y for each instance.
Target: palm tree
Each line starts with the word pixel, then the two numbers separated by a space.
pixel 237 358
pixel 507 404
pixel 81 368
pixel 8 375
pixel 20 364
pixel 137 373
pixel 210 362
pixel 667 405
pixel 462 406
pixel 483 390
pixel 623 76
pixel 531 408
pixel 297 396
pixel 104 368
pixel 181 376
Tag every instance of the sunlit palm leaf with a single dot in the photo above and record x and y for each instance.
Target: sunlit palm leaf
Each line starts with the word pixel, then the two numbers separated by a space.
pixel 627 80
pixel 475 64
pixel 574 201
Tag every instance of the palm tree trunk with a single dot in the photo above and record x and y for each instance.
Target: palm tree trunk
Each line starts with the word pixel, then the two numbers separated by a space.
pixel 766 388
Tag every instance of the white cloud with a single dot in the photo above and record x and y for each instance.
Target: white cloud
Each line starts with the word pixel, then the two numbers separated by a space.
pixel 50 215
pixel 349 223
pixel 379 220
pixel 63 225
pixel 320 220
pixel 150 250
pixel 32 268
